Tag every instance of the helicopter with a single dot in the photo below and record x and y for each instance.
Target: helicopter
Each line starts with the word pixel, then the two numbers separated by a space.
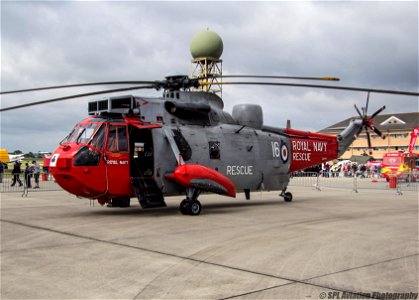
pixel 185 143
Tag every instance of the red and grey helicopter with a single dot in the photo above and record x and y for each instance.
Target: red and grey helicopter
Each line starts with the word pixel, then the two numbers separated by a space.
pixel 184 142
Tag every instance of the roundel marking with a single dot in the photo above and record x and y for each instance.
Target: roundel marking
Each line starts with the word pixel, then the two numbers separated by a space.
pixel 284 152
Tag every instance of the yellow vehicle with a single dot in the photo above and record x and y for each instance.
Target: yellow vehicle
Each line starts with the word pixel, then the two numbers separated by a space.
pixel 400 165
pixel 4 156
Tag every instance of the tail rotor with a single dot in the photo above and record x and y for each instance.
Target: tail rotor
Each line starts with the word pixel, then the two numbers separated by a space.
pixel 367 122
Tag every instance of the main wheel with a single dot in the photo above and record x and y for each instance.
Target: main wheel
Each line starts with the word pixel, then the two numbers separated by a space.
pixel 288 197
pixel 184 207
pixel 120 202
pixel 195 207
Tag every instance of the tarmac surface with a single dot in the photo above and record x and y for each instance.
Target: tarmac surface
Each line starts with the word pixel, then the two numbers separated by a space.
pixel 329 244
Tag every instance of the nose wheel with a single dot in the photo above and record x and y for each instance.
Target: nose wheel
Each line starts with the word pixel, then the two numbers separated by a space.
pixel 191 206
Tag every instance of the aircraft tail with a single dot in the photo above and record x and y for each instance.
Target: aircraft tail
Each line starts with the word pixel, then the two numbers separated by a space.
pixel 350 133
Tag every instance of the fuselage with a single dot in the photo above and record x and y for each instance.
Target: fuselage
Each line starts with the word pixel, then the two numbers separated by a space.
pixel 105 152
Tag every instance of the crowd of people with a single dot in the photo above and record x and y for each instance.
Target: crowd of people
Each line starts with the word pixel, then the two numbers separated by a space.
pixel 351 169
pixel 31 170
pixel 346 169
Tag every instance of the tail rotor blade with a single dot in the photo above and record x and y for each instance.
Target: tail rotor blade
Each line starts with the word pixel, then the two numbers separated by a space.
pixel 378 111
pixel 368 101
pixel 378 132
pixel 367 122
pixel 368 138
pixel 359 113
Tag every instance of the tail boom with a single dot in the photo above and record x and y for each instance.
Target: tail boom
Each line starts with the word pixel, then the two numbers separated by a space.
pixel 310 149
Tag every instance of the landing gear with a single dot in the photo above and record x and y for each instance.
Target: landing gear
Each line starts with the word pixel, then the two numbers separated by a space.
pixel 191 206
pixel 184 207
pixel 119 202
pixel 287 196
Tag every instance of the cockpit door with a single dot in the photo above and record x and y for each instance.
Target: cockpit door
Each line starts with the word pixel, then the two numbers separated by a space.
pixel 117 160
pixel 88 160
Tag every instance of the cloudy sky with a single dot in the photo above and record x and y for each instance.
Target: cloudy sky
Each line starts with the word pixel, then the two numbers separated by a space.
pixel 366 44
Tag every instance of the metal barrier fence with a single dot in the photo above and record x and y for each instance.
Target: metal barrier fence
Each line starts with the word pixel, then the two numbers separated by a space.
pixel 25 185
pixel 318 181
pixel 408 184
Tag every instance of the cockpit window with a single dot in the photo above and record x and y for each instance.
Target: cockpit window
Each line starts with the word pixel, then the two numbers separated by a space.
pixel 87 157
pixel 65 140
pixel 86 132
pixel 72 135
pixel 81 133
pixel 98 139
pixel 117 138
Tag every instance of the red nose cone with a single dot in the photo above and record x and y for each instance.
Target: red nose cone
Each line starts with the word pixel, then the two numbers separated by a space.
pixel 81 181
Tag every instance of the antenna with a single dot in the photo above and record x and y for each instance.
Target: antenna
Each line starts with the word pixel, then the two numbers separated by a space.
pixel 206 49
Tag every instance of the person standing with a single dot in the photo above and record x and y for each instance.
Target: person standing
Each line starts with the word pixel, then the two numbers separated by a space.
pixel 28 175
pixel 16 173
pixel 36 173
pixel 1 171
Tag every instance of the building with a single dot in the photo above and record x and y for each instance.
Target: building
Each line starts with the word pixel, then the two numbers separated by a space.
pixel 397 129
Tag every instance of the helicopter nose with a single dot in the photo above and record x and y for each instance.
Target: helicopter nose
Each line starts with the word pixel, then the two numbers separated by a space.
pixel 75 180
pixel 60 168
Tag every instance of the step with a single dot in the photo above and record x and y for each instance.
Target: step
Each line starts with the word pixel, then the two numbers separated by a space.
pixel 148 193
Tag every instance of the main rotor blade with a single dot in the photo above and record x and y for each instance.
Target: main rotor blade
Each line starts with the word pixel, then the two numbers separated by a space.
pixel 77 85
pixel 76 96
pixel 319 86
pixel 277 77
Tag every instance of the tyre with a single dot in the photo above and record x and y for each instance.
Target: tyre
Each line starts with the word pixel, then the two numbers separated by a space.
pixel 120 202
pixel 194 207
pixel 184 207
pixel 288 197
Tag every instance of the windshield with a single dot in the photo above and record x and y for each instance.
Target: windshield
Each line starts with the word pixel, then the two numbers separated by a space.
pixel 99 137
pixel 75 134
pixel 71 137
pixel 392 161
pixel 81 133
pixel 85 132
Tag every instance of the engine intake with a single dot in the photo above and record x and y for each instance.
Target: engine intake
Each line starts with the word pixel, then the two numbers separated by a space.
pixel 250 115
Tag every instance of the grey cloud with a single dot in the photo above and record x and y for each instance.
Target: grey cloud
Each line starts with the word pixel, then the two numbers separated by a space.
pixel 368 44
